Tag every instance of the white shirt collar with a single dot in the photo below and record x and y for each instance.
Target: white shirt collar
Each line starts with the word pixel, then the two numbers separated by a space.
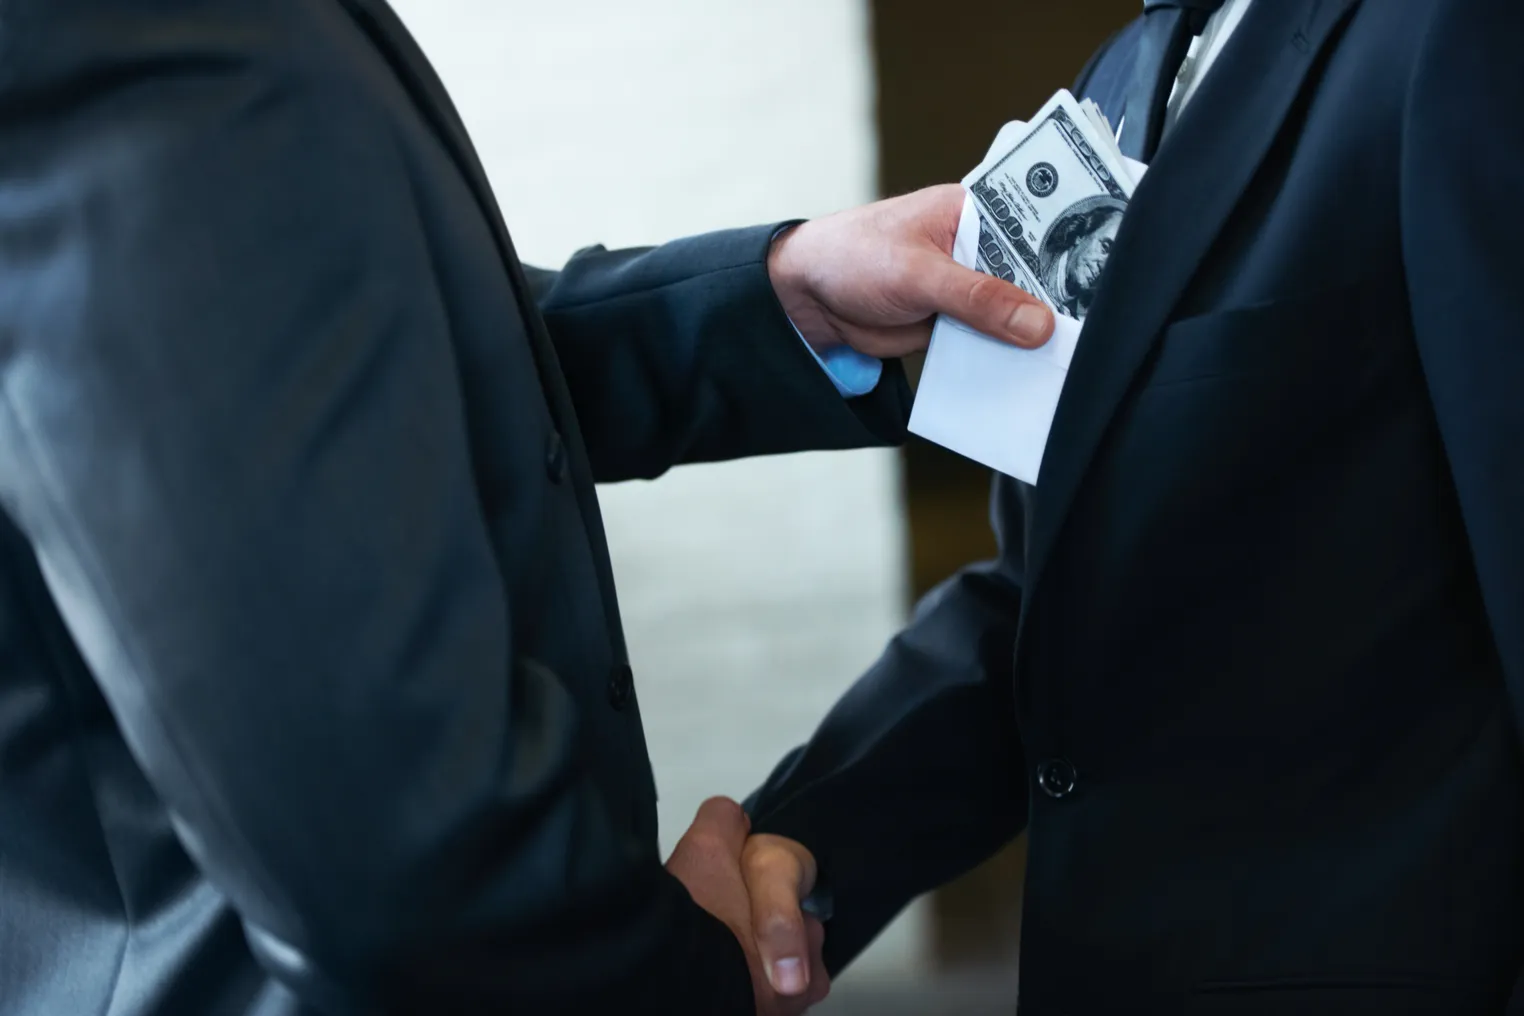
pixel 1203 53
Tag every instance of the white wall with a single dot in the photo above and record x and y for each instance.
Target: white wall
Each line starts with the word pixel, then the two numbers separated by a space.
pixel 752 592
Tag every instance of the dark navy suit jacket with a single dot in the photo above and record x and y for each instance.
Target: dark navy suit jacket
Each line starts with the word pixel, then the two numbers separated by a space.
pixel 1249 667
pixel 313 696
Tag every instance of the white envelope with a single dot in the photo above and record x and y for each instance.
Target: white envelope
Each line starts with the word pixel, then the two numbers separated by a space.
pixel 985 399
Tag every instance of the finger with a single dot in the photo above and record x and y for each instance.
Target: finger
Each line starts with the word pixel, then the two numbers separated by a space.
pixel 985 303
pixel 888 341
pixel 721 824
pixel 776 880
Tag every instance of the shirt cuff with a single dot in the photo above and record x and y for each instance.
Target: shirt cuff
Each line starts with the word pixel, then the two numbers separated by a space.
pixel 852 373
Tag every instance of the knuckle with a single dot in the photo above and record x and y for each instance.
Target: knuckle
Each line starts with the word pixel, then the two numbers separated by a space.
pixel 720 808
pixel 947 197
pixel 720 814
pixel 769 863
pixel 984 289
pixel 707 849
pixel 701 840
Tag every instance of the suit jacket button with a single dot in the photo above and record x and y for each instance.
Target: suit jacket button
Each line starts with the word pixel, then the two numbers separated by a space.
pixel 1057 778
pixel 621 686
pixel 555 458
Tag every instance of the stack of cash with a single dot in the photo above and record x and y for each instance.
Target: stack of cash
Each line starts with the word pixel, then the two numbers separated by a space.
pixel 1042 211
pixel 1044 207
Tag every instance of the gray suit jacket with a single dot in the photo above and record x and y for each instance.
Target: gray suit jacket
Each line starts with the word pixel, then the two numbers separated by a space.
pixel 313 696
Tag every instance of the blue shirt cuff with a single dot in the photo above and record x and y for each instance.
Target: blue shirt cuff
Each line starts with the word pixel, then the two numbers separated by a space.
pixel 852 373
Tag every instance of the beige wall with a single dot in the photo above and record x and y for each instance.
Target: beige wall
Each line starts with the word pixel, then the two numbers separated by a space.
pixel 752 592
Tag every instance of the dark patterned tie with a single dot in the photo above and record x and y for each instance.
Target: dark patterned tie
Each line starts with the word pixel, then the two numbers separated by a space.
pixel 1168 28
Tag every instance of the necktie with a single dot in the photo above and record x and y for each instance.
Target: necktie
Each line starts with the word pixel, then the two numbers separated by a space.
pixel 1168 28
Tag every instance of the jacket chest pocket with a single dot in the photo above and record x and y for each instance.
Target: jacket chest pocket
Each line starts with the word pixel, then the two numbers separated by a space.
pixel 1235 405
pixel 1305 339
pixel 1268 384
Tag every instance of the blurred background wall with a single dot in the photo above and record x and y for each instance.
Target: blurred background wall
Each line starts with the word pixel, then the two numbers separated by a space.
pixel 754 592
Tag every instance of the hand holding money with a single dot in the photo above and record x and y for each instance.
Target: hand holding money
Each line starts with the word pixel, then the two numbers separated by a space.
pixel 1049 201
pixel 1041 212
pixel 875 277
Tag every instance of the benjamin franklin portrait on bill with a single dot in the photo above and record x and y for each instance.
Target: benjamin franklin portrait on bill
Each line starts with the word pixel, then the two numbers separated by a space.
pixel 1074 252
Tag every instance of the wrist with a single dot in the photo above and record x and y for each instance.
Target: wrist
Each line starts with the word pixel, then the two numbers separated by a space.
pixel 790 280
pixel 793 286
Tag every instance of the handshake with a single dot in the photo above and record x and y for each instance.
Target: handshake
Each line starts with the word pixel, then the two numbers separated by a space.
pixel 755 885
pixel 871 279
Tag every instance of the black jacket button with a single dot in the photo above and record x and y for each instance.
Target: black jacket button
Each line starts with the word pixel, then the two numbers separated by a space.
pixel 555 458
pixel 1056 778
pixel 621 686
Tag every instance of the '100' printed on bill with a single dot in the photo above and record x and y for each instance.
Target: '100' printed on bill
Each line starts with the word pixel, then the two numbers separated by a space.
pixel 1050 208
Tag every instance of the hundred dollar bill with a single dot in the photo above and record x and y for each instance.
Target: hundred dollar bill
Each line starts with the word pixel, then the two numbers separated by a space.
pixel 1050 205
pixel 1109 139
pixel 991 259
pixel 1039 211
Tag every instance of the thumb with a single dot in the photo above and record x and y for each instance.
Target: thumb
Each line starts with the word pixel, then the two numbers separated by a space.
pixel 985 303
pixel 779 873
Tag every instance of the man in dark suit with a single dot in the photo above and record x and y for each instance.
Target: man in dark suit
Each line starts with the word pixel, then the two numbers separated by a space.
pixel 1249 668
pixel 313 694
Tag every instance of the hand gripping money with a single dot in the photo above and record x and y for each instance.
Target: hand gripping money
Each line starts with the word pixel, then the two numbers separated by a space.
pixel 1042 211
pixel 1049 205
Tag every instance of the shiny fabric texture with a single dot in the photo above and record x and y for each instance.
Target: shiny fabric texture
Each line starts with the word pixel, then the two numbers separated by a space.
pixel 313 696
pixel 1249 666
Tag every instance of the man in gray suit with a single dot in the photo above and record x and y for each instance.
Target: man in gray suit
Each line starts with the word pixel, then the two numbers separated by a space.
pixel 313 693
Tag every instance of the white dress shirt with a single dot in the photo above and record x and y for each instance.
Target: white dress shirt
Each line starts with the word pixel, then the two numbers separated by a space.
pixel 1204 51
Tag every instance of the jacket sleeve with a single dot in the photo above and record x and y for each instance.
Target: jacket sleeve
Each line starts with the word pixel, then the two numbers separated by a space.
pixel 1461 209
pixel 232 430
pixel 681 353
pixel 917 775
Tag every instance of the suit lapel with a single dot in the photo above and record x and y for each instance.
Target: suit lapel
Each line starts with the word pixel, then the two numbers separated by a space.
pixel 1196 180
